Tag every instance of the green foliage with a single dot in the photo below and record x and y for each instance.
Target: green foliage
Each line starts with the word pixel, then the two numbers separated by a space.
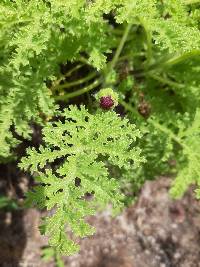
pixel 188 139
pixel 55 52
pixel 37 36
pixel 49 253
pixel 85 144
pixel 7 203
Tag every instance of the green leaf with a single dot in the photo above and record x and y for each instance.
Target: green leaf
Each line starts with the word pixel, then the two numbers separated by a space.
pixel 84 143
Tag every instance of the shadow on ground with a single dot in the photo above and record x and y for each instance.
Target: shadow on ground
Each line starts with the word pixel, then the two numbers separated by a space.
pixel 12 232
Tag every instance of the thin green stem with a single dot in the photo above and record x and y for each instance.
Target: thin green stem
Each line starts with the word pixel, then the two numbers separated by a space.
pixel 128 56
pixel 78 92
pixel 165 81
pixel 174 60
pixel 119 48
pixel 56 83
pixel 166 63
pixel 149 41
pixel 158 126
pixel 83 60
pixel 77 67
pixel 128 107
pixel 77 82
pixel 180 58
pixel 167 131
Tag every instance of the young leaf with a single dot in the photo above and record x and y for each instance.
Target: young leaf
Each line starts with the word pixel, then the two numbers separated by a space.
pixel 81 145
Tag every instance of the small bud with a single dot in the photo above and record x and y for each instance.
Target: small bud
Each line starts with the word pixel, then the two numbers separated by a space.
pixel 106 102
pixel 107 98
pixel 144 109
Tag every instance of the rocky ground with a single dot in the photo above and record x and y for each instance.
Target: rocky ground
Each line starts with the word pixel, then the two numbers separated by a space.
pixel 154 232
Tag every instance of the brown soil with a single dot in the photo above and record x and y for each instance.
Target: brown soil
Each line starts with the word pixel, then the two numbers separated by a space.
pixel 155 232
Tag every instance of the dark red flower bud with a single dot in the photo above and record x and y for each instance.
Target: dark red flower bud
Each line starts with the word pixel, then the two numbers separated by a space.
pixel 106 102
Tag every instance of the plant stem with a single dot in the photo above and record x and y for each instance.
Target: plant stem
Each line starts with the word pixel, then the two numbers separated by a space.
pixel 56 83
pixel 166 63
pixel 78 92
pixel 178 59
pixel 74 83
pixel 149 41
pixel 167 131
pixel 77 67
pixel 165 81
pixel 119 49
pixel 128 56
pixel 83 60
pixel 174 60
pixel 158 126
pixel 129 108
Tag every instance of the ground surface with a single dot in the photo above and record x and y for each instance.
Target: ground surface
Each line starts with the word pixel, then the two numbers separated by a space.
pixel 155 232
